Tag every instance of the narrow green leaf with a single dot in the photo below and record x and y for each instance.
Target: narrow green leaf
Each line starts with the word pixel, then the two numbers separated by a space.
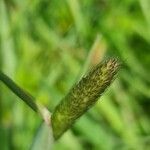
pixel 44 138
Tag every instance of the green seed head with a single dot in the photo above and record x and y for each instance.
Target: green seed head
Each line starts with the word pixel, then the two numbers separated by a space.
pixel 83 95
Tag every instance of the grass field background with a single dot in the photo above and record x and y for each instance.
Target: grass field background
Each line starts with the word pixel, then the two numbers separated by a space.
pixel 46 45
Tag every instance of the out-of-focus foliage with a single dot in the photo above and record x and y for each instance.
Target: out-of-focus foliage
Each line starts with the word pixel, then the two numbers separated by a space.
pixel 44 45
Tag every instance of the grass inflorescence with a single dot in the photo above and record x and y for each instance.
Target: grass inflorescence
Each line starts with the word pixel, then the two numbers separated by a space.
pixel 83 95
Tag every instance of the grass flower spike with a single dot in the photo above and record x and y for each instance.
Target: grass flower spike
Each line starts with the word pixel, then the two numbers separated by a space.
pixel 83 95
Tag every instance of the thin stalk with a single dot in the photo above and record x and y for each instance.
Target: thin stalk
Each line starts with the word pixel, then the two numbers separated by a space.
pixel 26 97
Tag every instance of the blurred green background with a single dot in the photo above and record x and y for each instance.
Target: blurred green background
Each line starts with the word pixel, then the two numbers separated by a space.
pixel 46 45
